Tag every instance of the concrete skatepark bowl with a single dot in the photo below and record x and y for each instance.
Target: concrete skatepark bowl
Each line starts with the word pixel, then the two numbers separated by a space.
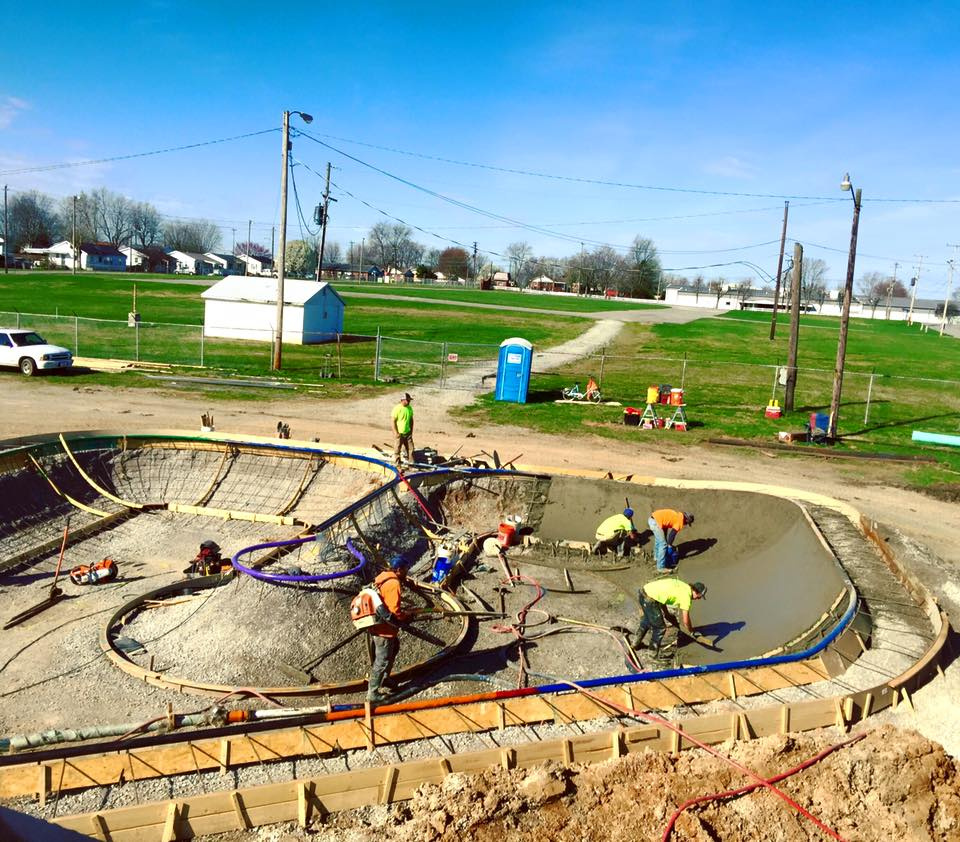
pixel 795 590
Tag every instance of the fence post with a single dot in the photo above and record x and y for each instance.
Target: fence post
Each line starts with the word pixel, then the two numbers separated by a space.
pixel 339 358
pixel 443 364
pixel 683 372
pixel 603 359
pixel 376 359
pixel 136 330
pixel 76 335
pixel 201 345
pixel 866 412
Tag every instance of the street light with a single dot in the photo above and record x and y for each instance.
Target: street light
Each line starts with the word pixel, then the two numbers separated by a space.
pixel 846 184
pixel 285 156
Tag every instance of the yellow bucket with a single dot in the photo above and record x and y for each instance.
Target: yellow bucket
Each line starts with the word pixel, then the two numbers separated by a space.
pixel 653 394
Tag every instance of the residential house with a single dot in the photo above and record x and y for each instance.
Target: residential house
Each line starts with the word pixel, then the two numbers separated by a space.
pixel 255 265
pixel 223 264
pixel 190 263
pixel 148 259
pixel 543 283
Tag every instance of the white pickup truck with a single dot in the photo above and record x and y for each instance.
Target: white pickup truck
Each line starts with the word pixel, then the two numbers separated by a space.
pixel 30 352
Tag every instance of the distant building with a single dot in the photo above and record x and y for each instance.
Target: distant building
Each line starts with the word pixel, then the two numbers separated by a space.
pixel 245 307
pixel 255 265
pixel 190 263
pixel 223 264
pixel 547 284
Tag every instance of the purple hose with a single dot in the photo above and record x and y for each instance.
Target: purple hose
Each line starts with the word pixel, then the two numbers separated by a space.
pixel 289 577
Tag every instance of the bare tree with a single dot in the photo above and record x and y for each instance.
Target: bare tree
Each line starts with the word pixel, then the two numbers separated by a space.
pixel 717 288
pixel 645 265
pixel 698 286
pixel 31 221
pixel 521 259
pixel 812 286
pixel 198 236
pixel 743 290
pixel 145 224
pixel 332 253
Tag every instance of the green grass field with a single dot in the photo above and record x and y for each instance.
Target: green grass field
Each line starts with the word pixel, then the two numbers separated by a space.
pixel 503 298
pixel 726 366
pixel 171 314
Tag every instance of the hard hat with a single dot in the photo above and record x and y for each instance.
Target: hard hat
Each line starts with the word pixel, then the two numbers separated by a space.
pixel 688 517
pixel 628 512
pixel 398 562
pixel 700 588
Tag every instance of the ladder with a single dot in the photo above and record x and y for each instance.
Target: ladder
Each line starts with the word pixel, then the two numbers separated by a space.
pixel 678 421
pixel 649 419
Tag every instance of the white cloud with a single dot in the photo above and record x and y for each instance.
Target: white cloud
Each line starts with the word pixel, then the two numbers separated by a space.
pixel 729 167
pixel 10 107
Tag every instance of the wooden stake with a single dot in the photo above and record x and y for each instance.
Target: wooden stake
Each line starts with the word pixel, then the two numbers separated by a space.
pixel 170 825
pixel 224 755
pixel 733 686
pixel 389 782
pixel 43 786
pixel 567 751
pixel 907 699
pixel 368 723
pixel 303 803
pixel 784 719
pixel 98 825
pixel 241 814
pixel 867 705
pixel 508 758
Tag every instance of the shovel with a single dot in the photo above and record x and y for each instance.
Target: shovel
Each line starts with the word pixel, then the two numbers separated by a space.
pixel 56 594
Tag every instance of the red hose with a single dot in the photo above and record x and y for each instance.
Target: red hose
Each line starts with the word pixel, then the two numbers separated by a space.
pixel 731 793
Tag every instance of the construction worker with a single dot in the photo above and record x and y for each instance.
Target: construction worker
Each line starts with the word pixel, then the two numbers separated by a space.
pixel 655 598
pixel 402 421
pixel 665 524
pixel 617 533
pixel 383 636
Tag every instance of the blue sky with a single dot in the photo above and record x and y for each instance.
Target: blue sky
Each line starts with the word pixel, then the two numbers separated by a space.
pixel 737 97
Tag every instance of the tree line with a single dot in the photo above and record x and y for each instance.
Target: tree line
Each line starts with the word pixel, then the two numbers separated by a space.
pixel 38 220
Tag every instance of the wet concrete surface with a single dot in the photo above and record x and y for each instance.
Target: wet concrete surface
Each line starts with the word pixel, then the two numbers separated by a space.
pixel 768 576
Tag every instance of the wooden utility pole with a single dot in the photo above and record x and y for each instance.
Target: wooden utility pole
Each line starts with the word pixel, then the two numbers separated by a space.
pixel 323 224
pixel 75 251
pixel 246 251
pixel 844 320
pixel 776 287
pixel 890 286
pixel 6 234
pixel 474 261
pixel 284 157
pixel 914 284
pixel 791 383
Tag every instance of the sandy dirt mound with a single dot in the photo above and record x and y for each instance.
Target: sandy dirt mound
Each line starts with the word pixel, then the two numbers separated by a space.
pixel 891 785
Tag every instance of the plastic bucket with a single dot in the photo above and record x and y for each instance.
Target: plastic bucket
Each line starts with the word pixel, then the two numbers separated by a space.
pixel 653 394
pixel 507 534
pixel 676 397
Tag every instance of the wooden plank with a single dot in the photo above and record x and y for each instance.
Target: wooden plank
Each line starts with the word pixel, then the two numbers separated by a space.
pixel 170 823
pixel 243 822
pixel 303 803
pixel 389 782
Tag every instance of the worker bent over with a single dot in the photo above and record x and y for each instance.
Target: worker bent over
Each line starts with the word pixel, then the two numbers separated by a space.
pixel 666 525
pixel 402 420
pixel 617 533
pixel 655 598
pixel 383 635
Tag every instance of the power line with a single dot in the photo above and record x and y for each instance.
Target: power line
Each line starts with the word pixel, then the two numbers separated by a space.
pixel 859 253
pixel 607 183
pixel 67 164
pixel 491 215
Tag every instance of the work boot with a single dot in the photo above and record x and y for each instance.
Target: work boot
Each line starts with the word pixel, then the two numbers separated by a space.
pixel 595 549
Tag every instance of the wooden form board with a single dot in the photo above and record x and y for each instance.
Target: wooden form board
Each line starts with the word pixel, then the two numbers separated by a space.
pixel 326 738
pixel 301 800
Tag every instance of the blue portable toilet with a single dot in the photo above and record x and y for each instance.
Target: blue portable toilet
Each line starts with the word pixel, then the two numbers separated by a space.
pixel 513 370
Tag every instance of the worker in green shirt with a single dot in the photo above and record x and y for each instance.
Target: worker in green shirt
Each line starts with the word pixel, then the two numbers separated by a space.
pixel 617 533
pixel 402 420
pixel 655 598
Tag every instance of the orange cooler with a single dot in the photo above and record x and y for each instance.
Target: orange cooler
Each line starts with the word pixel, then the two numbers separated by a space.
pixel 507 534
pixel 676 397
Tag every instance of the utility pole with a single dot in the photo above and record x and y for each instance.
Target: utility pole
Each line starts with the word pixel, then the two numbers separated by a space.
pixel 791 383
pixel 474 261
pixel 284 157
pixel 323 229
pixel 273 240
pixel 776 287
pixel 890 286
pixel 363 242
pixel 844 315
pixel 74 245
pixel 946 298
pixel 246 251
pixel 6 235
pixel 233 241
pixel 915 284
pixel 351 255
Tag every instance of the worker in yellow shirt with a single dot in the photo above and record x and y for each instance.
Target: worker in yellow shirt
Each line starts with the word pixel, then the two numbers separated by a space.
pixel 656 598
pixel 665 524
pixel 402 420
pixel 617 533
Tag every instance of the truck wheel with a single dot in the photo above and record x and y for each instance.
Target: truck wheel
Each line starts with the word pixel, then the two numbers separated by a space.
pixel 28 367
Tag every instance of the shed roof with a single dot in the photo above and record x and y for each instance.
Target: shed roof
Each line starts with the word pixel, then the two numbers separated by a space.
pixel 264 290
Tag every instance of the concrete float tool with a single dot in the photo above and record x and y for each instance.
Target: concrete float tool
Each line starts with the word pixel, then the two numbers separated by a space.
pixel 56 594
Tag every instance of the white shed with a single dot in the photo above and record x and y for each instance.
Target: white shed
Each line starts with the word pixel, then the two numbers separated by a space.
pixel 245 307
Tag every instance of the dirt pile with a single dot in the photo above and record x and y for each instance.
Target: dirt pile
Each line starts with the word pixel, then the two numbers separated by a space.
pixel 891 785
